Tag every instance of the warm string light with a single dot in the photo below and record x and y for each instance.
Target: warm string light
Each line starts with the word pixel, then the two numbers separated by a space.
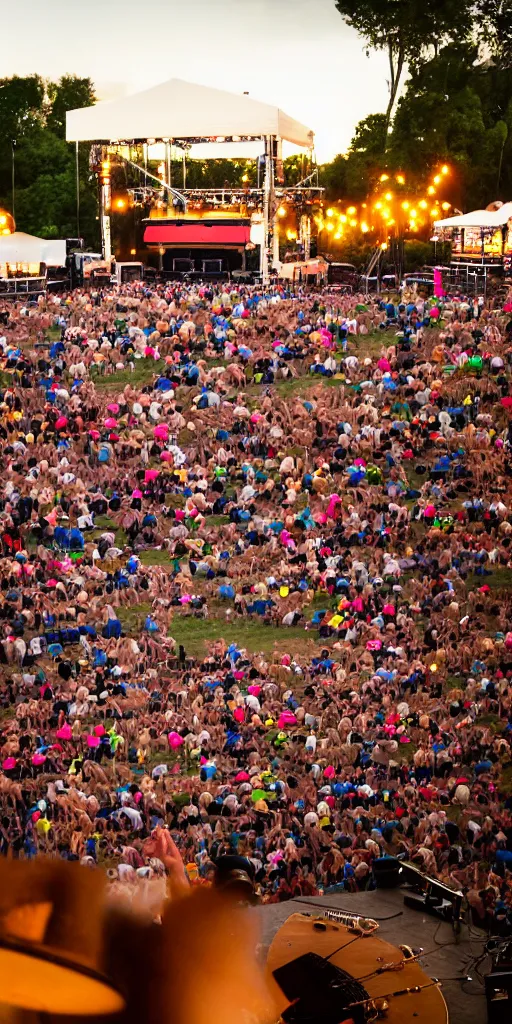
pixel 387 212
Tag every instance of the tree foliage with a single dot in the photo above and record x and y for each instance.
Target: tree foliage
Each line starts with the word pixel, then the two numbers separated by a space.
pixel 408 30
pixel 32 122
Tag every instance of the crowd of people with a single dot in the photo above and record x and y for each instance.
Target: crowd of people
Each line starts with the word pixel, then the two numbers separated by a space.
pixel 320 485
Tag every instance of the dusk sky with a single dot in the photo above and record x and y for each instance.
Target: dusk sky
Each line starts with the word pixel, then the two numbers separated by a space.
pixel 298 54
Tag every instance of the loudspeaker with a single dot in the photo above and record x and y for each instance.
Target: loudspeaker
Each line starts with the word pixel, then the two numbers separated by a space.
pixel 498 993
pixel 386 872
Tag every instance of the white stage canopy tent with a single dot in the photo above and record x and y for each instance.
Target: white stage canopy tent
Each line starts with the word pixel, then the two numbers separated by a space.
pixel 479 219
pixel 22 248
pixel 182 110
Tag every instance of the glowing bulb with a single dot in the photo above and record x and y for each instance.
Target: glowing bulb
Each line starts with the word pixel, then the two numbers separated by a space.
pixel 343 219
pixel 338 234
pixel 445 169
pixel 437 179
pixel 431 190
pixel 433 667
pixel 423 204
pixel 388 196
pixel 400 179
pixel 351 210
pixel 353 223
pixel 281 211
pixel 3 220
pixel 330 227
pixel 330 212
pixel 384 177
pixel 245 178
pixel 434 211
pixel 413 226
pixel 446 206
pixel 364 227
pixel 405 205
pixel 120 204
pixel 378 206
pixel 391 221
pixel 413 214
pixel 133 252
pixel 383 245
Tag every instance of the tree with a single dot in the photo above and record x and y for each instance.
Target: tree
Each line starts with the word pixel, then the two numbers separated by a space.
pixel 21 106
pixel 394 25
pixel 69 93
pixel 494 29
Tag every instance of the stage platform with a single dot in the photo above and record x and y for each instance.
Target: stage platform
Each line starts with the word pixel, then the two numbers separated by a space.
pixel 400 924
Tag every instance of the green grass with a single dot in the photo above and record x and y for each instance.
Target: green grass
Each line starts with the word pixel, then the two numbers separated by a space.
pixel 195 634
pixel 145 370
pixel 155 556
pixel 217 520
pixel 104 523
pixel 500 579
pixel 454 683
pixel 506 780
pixel 132 619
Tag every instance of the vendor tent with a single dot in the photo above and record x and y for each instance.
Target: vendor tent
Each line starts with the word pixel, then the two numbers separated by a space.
pixel 181 110
pixel 22 248
pixel 479 219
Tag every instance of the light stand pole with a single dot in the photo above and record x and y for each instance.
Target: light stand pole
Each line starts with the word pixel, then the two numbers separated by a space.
pixel 13 148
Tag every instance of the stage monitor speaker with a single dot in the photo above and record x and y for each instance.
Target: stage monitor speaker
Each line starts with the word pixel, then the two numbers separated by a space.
pixel 498 993
pixel 386 872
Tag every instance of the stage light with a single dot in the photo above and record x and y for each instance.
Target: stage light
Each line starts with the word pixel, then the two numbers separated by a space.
pixel 388 197
pixel 353 223
pixel 446 206
pixel 413 214
pixel 431 190
pixel 391 221
pixel 330 212
pixel 337 235
pixel 378 206
pixel 351 210
pixel 330 227
pixel 434 211
pixel 281 211
pixel 400 179
pixel 423 203
pixel 343 219
pixel 405 205
pixel 384 177
pixel 437 179
pixel 445 169
pixel 364 227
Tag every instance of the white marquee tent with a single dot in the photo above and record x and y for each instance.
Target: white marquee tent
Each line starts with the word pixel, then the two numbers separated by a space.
pixel 182 110
pixel 22 248
pixel 479 219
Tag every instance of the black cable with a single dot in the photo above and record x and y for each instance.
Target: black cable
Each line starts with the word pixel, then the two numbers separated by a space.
pixel 356 937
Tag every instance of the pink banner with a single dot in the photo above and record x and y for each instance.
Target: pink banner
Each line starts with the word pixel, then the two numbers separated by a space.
pixel 438 283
